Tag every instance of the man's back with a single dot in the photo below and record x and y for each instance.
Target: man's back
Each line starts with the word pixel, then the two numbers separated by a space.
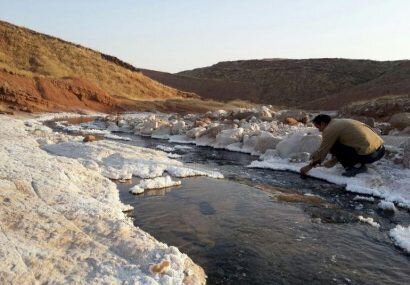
pixel 354 134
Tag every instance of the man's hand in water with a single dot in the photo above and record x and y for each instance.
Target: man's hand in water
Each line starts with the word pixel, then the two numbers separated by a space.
pixel 305 169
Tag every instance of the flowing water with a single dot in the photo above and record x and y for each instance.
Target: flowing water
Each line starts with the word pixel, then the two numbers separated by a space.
pixel 260 226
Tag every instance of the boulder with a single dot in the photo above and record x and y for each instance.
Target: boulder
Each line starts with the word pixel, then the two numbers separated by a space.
pixel 297 143
pixel 202 122
pixel 290 121
pixel 215 129
pixel 178 128
pixel 298 115
pixel 400 120
pixel 162 132
pixel 218 114
pixel 230 136
pixel 265 141
pixel 195 132
pixel 89 138
pixel 240 115
pixel 265 114
pixel 152 123
pixel 112 127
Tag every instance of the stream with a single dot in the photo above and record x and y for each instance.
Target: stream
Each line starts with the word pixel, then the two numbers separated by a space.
pixel 259 226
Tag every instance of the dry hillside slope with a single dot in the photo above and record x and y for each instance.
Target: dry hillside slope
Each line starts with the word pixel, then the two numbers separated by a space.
pixel 40 72
pixel 305 83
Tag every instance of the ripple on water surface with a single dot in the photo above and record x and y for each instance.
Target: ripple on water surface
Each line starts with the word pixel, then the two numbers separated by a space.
pixel 240 235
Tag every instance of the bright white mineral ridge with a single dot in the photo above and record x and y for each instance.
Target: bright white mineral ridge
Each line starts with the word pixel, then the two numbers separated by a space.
pixel 61 222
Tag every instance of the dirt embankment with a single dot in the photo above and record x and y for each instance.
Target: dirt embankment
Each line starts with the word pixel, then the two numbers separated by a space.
pixel 19 92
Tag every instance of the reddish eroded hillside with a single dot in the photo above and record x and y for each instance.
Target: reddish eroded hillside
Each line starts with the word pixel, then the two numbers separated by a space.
pixel 24 93
pixel 41 72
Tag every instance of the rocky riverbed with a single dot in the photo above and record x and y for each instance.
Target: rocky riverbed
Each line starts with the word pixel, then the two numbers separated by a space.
pixel 62 219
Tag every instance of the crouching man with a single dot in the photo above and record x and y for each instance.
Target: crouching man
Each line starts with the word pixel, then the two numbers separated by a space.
pixel 350 142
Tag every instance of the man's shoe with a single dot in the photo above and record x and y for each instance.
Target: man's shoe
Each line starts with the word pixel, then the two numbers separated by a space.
pixel 353 171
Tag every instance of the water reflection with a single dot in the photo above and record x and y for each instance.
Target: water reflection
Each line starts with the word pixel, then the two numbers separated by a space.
pixel 242 236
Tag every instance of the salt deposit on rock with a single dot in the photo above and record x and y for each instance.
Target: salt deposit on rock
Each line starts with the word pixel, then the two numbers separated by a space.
pixel 115 137
pixel 137 190
pixel 178 128
pixel 387 206
pixel 227 137
pixel 363 198
pixel 369 221
pixel 62 222
pixel 158 183
pixel 195 132
pixel 165 148
pixel 401 237
pixel 298 143
pixel 163 132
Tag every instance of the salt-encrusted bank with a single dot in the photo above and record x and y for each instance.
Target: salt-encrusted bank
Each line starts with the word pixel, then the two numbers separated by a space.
pixel 61 220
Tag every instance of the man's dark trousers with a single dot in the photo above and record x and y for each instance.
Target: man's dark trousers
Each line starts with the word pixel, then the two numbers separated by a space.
pixel 348 157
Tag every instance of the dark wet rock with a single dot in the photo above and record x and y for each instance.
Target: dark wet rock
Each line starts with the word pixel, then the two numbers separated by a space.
pixel 332 215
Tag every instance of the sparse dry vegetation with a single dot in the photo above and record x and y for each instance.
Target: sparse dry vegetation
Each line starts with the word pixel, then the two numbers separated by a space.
pixel 33 55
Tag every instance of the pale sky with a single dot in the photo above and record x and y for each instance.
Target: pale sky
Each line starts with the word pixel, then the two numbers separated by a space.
pixel 177 35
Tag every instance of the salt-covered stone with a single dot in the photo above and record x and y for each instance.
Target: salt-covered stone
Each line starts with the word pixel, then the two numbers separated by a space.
pixel 163 132
pixel 297 143
pixel 265 141
pixel 136 190
pixel 230 136
pixel 178 128
pixel 386 206
pixel 158 182
pixel 113 127
pixel 195 132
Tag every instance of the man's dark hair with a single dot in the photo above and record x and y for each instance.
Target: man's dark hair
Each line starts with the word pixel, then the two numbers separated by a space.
pixel 322 118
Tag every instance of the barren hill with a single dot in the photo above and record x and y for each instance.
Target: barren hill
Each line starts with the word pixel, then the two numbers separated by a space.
pixel 40 72
pixel 306 83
